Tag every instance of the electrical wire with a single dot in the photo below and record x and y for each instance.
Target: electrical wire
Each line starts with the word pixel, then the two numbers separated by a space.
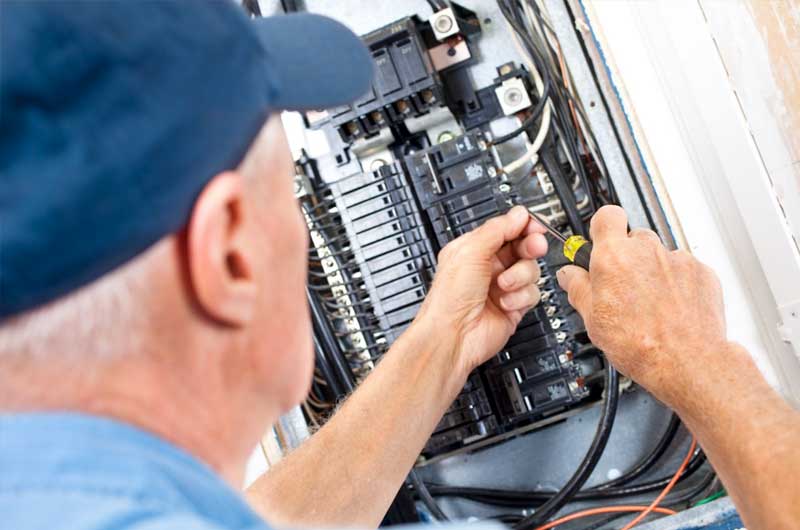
pixel 528 499
pixel 426 497
pixel 532 153
pixel 666 490
pixel 560 98
pixel 536 67
pixel 674 503
pixel 605 509
pixel 435 6
pixel 713 497
pixel 647 462
pixel 589 462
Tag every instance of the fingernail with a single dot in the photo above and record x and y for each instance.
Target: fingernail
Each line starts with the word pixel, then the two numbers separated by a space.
pixel 507 281
pixel 561 277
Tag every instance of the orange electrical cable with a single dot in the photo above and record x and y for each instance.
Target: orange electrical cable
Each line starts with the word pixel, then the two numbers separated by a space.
pixel 606 509
pixel 666 489
pixel 645 510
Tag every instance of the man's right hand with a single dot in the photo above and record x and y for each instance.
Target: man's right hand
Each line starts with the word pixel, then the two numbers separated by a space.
pixel 657 314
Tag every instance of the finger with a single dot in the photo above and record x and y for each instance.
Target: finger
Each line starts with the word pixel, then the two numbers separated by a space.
pixel 610 222
pixel 527 296
pixel 535 227
pixel 533 246
pixel 644 234
pixel 523 272
pixel 490 237
pixel 575 281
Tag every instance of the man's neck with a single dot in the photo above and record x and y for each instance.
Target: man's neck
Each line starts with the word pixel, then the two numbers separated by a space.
pixel 195 419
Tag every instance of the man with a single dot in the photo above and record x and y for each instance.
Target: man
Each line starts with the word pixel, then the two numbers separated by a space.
pixel 152 270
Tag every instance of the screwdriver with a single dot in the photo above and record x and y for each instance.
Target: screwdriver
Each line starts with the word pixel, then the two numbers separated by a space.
pixel 576 248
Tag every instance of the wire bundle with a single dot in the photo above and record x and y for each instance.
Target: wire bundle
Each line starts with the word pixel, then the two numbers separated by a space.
pixel 568 138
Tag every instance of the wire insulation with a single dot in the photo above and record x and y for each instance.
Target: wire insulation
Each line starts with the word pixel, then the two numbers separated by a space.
pixel 605 509
pixel 581 475
pixel 667 488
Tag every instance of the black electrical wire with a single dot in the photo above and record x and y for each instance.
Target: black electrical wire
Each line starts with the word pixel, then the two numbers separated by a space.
pixel 326 371
pixel 291 6
pixel 513 15
pixel 646 463
pixel 329 344
pixel 529 499
pixel 694 464
pixel 581 475
pixel 547 86
pixel 425 496
pixel 435 6
pixel 566 129
pixel 511 10
pixel 563 190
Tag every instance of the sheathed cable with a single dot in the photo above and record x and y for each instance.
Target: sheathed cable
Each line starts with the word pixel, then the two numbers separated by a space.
pixel 426 497
pixel 586 467
pixel 649 460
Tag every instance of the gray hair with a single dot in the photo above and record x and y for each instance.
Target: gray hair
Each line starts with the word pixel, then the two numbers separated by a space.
pixel 99 321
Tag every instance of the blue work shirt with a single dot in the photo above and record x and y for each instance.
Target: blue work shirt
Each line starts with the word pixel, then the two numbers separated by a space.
pixel 80 472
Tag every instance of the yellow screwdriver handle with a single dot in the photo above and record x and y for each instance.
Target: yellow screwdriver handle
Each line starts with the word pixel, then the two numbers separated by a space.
pixel 579 251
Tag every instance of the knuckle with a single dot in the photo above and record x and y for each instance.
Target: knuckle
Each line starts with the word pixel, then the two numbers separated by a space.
pixel 537 272
pixel 682 255
pixel 605 259
pixel 447 251
pixel 572 297
pixel 608 210
pixel 606 213
pixel 493 224
pixel 645 236
pixel 534 294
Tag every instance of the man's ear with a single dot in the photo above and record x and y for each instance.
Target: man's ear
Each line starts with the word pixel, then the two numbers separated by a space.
pixel 218 258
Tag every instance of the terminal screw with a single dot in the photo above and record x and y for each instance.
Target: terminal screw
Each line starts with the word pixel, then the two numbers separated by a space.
pixel 443 23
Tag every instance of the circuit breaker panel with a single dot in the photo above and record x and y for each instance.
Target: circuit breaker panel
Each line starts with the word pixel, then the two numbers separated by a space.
pixel 389 198
pixel 445 139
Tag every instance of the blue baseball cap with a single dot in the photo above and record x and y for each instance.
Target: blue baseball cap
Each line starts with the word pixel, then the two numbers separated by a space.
pixel 114 115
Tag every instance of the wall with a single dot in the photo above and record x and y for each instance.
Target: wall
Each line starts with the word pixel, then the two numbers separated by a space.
pixel 709 165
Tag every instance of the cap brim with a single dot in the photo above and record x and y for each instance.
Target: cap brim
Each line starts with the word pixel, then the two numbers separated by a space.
pixel 314 62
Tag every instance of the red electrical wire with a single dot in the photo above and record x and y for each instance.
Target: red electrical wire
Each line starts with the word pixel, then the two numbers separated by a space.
pixel 666 489
pixel 645 510
pixel 605 509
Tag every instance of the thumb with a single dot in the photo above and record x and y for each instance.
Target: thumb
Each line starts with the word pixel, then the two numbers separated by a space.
pixel 575 281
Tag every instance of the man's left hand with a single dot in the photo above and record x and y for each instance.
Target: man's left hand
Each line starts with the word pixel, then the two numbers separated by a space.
pixel 484 285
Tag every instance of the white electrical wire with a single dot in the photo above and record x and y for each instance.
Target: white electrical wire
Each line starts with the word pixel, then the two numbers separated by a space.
pixel 548 37
pixel 532 152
